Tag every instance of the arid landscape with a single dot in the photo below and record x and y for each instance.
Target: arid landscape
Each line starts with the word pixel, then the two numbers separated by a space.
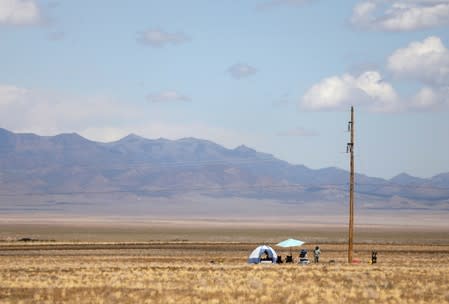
pixel 149 149
pixel 205 262
pixel 80 231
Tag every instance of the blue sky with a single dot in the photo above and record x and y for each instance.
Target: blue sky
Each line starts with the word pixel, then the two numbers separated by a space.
pixel 275 75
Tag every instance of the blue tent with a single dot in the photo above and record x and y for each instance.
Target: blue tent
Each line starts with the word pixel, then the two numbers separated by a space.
pixel 256 256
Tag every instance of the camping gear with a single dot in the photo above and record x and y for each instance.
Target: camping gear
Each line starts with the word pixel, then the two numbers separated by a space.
pixel 262 254
pixel 289 244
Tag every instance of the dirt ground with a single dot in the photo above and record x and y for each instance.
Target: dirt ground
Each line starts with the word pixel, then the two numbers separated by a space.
pixel 206 263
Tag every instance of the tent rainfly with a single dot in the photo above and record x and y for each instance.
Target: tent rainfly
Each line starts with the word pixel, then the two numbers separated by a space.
pixel 256 256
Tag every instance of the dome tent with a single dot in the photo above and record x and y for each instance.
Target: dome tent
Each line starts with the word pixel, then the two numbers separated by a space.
pixel 256 256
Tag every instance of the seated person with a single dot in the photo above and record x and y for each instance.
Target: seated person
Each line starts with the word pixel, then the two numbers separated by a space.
pixel 266 256
pixel 303 256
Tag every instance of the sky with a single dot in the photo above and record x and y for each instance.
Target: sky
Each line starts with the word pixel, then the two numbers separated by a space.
pixel 278 76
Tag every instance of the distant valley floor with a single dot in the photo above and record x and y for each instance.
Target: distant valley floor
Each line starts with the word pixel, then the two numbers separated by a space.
pixel 394 229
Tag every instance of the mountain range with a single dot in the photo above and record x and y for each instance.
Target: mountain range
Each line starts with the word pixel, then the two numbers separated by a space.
pixel 49 168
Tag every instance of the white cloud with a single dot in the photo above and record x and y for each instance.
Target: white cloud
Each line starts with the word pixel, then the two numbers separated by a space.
pixel 10 94
pixel 160 38
pixel 425 98
pixel 240 70
pixel 426 61
pixel 23 109
pixel 19 12
pixel 361 13
pixel 297 132
pixel 430 99
pixel 337 92
pixel 400 15
pixel 167 96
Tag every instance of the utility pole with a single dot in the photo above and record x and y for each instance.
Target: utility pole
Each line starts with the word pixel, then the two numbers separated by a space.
pixel 350 149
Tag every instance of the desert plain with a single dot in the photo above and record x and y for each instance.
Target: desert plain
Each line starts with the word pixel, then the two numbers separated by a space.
pixel 204 261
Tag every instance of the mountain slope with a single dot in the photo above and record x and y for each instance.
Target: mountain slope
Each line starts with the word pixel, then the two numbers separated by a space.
pixel 69 163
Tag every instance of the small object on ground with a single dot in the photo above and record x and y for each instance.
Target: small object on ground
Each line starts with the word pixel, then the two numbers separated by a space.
pixel 373 257
pixel 356 261
pixel 331 261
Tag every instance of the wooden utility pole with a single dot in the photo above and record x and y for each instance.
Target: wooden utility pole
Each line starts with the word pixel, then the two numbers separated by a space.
pixel 350 149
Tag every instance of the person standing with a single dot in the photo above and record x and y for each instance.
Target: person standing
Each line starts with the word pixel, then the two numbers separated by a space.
pixel 316 254
pixel 373 256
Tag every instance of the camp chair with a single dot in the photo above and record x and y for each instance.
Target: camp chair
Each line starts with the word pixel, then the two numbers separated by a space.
pixel 289 259
pixel 303 257
pixel 279 260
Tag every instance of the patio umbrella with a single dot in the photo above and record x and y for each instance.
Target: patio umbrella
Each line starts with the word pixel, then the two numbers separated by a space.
pixel 290 243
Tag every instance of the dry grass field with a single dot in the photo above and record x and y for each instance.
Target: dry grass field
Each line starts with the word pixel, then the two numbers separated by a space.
pixel 195 271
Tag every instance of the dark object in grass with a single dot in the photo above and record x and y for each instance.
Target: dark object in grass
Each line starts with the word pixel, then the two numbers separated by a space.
pixel 26 239
pixel 373 257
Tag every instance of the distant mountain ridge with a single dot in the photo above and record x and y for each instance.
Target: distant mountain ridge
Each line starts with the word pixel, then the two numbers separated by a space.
pixel 69 163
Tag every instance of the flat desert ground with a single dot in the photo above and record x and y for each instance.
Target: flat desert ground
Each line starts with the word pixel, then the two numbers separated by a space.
pixel 204 261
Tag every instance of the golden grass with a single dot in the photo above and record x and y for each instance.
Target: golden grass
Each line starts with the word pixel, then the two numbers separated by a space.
pixel 206 272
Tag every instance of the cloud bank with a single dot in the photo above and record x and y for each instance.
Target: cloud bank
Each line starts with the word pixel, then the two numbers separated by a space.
pixel 20 12
pixel 400 15
pixel 24 109
pixel 426 62
pixel 101 118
